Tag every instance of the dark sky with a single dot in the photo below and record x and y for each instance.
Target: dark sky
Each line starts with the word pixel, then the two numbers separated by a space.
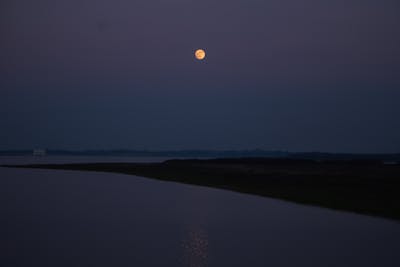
pixel 282 74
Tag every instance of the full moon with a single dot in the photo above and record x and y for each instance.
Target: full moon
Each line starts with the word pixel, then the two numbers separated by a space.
pixel 200 54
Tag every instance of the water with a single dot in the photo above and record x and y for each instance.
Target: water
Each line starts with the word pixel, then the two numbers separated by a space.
pixel 71 218
pixel 73 159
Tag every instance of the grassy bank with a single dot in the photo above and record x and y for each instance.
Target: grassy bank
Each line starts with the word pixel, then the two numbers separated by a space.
pixel 366 187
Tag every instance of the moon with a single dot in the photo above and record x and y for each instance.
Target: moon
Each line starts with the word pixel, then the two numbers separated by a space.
pixel 200 54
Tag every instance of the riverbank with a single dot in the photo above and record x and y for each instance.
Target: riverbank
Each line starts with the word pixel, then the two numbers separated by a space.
pixel 363 186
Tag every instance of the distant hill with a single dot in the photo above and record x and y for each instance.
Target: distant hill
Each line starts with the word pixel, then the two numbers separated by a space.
pixel 212 154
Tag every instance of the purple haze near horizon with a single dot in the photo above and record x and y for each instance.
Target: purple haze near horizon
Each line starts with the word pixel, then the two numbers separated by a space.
pixel 286 75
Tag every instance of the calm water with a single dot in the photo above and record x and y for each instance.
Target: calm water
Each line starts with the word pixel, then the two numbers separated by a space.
pixel 70 218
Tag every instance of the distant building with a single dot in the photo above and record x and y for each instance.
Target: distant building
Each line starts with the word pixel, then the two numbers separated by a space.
pixel 39 152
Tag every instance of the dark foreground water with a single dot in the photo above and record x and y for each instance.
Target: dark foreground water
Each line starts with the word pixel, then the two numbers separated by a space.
pixel 70 218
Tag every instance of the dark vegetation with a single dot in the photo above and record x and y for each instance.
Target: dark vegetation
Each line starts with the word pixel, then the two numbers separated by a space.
pixel 362 186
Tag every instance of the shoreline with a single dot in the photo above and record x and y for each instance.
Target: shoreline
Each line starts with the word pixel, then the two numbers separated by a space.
pixel 361 186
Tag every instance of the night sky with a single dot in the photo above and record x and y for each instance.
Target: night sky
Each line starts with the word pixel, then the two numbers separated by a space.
pixel 314 75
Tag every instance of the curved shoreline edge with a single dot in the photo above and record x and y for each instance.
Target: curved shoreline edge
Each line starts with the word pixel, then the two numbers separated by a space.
pixel 364 187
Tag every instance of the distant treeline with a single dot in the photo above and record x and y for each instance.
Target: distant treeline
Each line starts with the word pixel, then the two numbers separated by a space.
pixel 395 157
